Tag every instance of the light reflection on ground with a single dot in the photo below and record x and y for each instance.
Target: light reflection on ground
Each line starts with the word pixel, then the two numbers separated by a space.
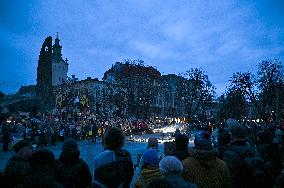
pixel 89 150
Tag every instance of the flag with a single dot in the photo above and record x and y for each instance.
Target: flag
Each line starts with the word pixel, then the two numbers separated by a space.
pixel 59 100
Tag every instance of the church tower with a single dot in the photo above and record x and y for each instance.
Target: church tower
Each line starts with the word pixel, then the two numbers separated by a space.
pixel 59 66
pixel 51 71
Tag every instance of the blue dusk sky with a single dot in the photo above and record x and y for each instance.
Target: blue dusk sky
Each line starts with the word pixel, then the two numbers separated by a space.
pixel 221 37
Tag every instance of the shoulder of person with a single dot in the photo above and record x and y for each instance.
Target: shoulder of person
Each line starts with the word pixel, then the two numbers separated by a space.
pixel 125 152
pixel 104 157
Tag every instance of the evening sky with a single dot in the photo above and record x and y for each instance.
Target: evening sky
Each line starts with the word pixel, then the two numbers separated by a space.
pixel 221 37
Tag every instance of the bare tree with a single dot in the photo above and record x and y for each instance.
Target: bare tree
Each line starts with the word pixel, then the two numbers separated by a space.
pixel 232 104
pixel 136 85
pixel 262 90
pixel 271 84
pixel 196 91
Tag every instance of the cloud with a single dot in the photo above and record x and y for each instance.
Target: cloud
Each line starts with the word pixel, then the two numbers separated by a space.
pixel 221 37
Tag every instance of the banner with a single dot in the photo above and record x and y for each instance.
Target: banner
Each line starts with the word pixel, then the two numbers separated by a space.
pixel 59 99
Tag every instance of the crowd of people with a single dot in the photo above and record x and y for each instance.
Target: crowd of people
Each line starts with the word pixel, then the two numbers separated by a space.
pixel 241 156
pixel 47 130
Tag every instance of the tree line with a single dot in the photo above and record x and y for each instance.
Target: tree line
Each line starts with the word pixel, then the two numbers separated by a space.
pixel 138 85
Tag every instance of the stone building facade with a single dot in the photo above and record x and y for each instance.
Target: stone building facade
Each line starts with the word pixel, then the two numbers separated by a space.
pixel 51 71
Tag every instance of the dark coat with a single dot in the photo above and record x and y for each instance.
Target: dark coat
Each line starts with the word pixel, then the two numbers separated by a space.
pixel 71 171
pixel 234 156
pixel 40 176
pixel 181 154
pixel 181 151
pixel 114 168
pixel 270 153
pixel 280 180
pixel 16 169
pixel 178 182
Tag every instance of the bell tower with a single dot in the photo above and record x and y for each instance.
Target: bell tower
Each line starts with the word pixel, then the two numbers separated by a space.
pixel 59 66
pixel 51 71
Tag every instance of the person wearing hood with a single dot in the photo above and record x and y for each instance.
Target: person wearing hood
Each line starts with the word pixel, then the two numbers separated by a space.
pixel 224 139
pixel 204 168
pixel 19 165
pixel 246 166
pixel 71 170
pixel 42 171
pixel 181 151
pixel 150 168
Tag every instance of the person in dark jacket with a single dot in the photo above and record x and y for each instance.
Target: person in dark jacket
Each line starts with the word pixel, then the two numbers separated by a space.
pixel 269 151
pixel 224 139
pixel 160 182
pixel 42 171
pixel 72 171
pixel 19 165
pixel 243 160
pixel 94 128
pixel 113 167
pixel 280 180
pixel 43 139
pixel 181 151
pixel 6 138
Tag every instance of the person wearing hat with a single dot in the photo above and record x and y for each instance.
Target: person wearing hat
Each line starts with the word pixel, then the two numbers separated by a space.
pixel 150 168
pixel 204 168
pixel 71 170
pixel 18 166
pixel 43 164
pixel 231 122
pixel 181 150
pixel 153 145
pixel 241 157
pixel 171 169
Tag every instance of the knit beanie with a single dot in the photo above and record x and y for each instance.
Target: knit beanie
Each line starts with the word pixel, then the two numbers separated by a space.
pixel 170 165
pixel 181 141
pixel 150 157
pixel 43 157
pixel 19 145
pixel 203 141
pixel 238 131
pixel 231 122
pixel 70 145
pixel 152 143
